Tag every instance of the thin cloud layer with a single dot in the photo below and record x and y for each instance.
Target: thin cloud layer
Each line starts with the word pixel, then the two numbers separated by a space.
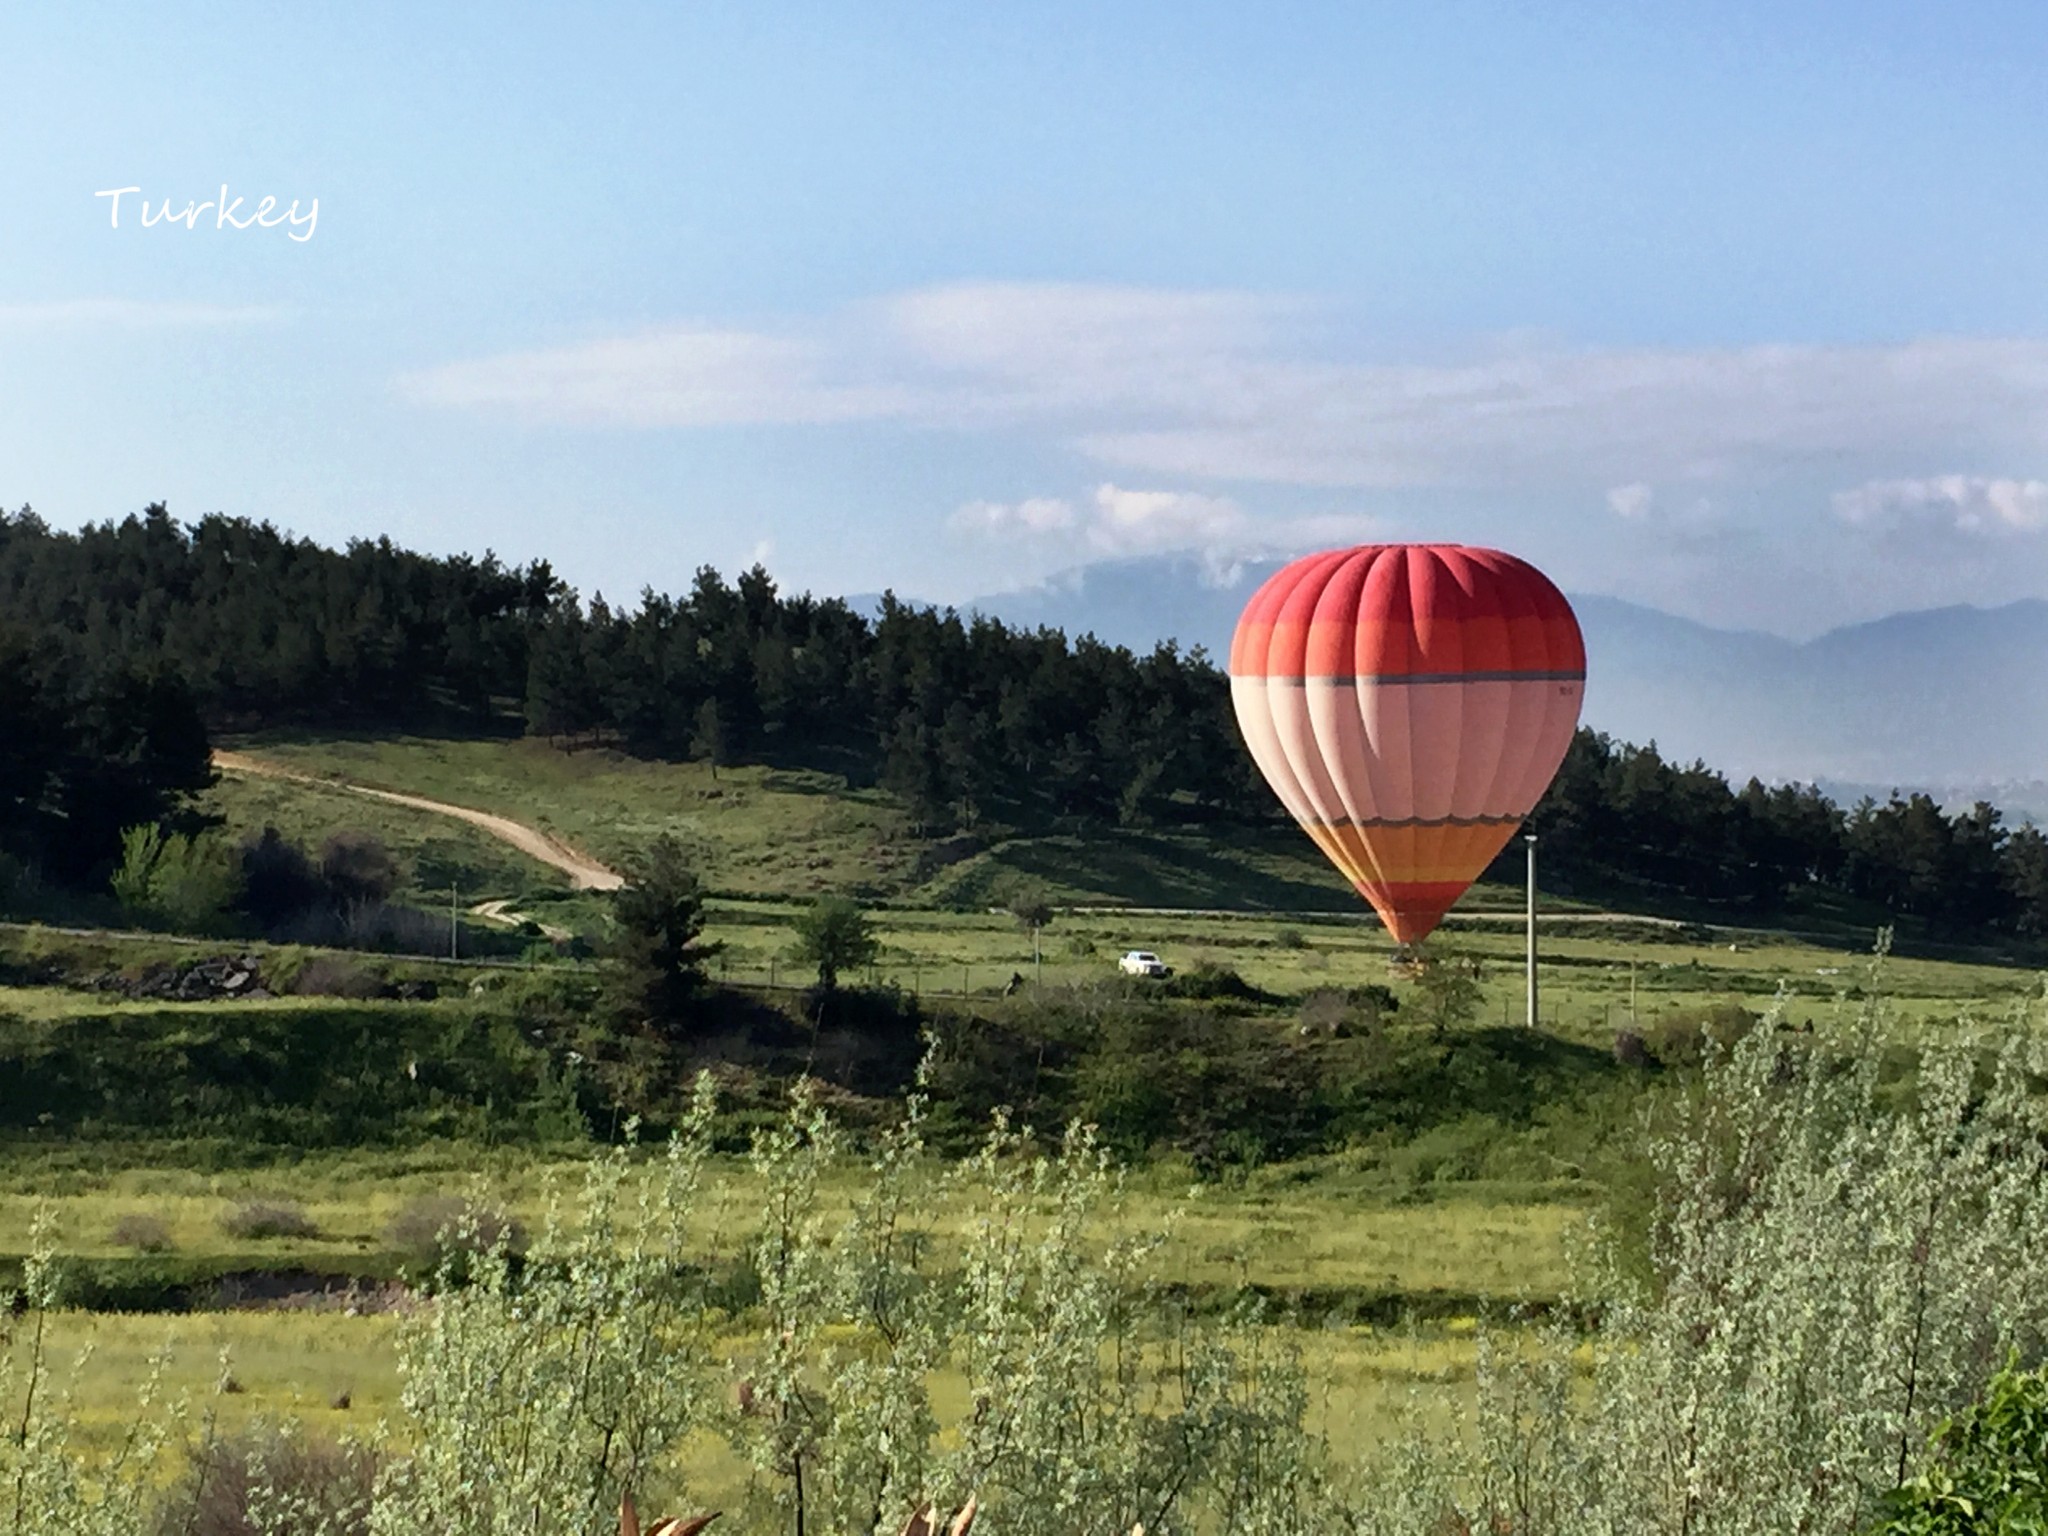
pixel 1976 504
pixel 679 376
pixel 1038 515
pixel 131 314
pixel 1229 386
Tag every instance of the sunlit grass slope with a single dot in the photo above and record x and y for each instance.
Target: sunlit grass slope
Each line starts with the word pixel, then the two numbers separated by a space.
pixel 758 832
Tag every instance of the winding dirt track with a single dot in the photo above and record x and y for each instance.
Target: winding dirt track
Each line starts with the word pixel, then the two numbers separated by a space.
pixel 584 872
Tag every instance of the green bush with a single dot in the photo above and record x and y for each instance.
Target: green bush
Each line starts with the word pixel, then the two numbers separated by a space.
pixel 143 1233
pixel 260 1219
pixel 1207 981
pixel 449 1232
pixel 189 884
pixel 1683 1039
pixel 1988 1472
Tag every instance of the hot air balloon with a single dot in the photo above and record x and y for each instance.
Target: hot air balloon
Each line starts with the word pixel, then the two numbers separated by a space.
pixel 1409 704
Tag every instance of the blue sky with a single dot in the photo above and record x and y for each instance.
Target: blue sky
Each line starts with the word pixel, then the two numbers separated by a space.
pixel 1738 310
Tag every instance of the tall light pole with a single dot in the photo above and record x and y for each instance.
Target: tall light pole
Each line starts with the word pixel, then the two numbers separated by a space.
pixel 1529 839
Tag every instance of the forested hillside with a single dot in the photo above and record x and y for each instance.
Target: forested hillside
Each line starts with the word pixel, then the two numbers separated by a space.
pixel 126 636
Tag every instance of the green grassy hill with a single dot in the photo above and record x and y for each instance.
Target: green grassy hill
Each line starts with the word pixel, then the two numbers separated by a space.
pixel 756 832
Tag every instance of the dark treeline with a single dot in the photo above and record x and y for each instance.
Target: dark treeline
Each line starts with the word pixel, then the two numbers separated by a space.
pixel 1620 816
pixel 266 629
pixel 967 721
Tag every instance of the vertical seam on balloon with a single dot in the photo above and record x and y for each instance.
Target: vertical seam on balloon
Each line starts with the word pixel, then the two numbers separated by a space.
pixel 1340 700
pixel 1298 782
pixel 1560 709
pixel 1319 574
pixel 1497 796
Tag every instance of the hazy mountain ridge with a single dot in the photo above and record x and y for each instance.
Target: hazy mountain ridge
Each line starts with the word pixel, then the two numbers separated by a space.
pixel 1950 700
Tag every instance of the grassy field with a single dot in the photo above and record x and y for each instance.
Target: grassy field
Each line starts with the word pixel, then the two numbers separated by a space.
pixel 1596 977
pixel 1268 1231
pixel 335 1372
pixel 769 839
pixel 757 832
pixel 1376 1277
pixel 336 1375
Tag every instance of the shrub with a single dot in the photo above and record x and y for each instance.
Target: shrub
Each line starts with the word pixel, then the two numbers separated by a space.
pixel 1325 1011
pixel 1290 938
pixel 270 1480
pixel 1684 1039
pixel 143 1233
pixel 256 1219
pixel 388 928
pixel 1829 1275
pixel 1988 1472
pixel 1338 1011
pixel 438 1229
pixel 357 869
pixel 278 880
pixel 339 976
pixel 1373 1000
pixel 1207 980
pixel 183 882
pixel 1447 990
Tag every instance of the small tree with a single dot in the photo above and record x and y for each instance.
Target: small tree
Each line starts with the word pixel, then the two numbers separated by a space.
pixel 1033 913
pixel 183 882
pixel 1447 990
pixel 708 737
pixel 657 953
pixel 357 868
pixel 833 934
pixel 279 883
pixel 141 847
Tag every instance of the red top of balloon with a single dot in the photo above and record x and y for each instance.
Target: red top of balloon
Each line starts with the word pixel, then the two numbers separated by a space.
pixel 1394 610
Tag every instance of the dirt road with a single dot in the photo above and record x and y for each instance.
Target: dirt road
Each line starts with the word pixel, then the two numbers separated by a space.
pixel 500 912
pixel 584 872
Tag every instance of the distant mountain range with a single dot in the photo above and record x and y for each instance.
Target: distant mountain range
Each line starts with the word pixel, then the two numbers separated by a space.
pixel 1952 700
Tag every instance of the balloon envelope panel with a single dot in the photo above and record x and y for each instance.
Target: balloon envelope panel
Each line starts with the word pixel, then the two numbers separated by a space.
pixel 1409 704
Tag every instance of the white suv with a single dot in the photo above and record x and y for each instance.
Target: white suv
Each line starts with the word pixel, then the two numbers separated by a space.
pixel 1141 962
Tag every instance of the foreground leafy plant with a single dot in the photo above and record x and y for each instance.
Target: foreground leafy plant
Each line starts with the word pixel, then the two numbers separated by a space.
pixel 1832 1272
pixel 1988 1475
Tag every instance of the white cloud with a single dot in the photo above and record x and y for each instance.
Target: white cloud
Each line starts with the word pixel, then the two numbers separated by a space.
pixel 677 376
pixel 1130 522
pixel 1117 522
pixel 1038 514
pixel 1976 504
pixel 132 314
pixel 1233 386
pixel 1630 501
